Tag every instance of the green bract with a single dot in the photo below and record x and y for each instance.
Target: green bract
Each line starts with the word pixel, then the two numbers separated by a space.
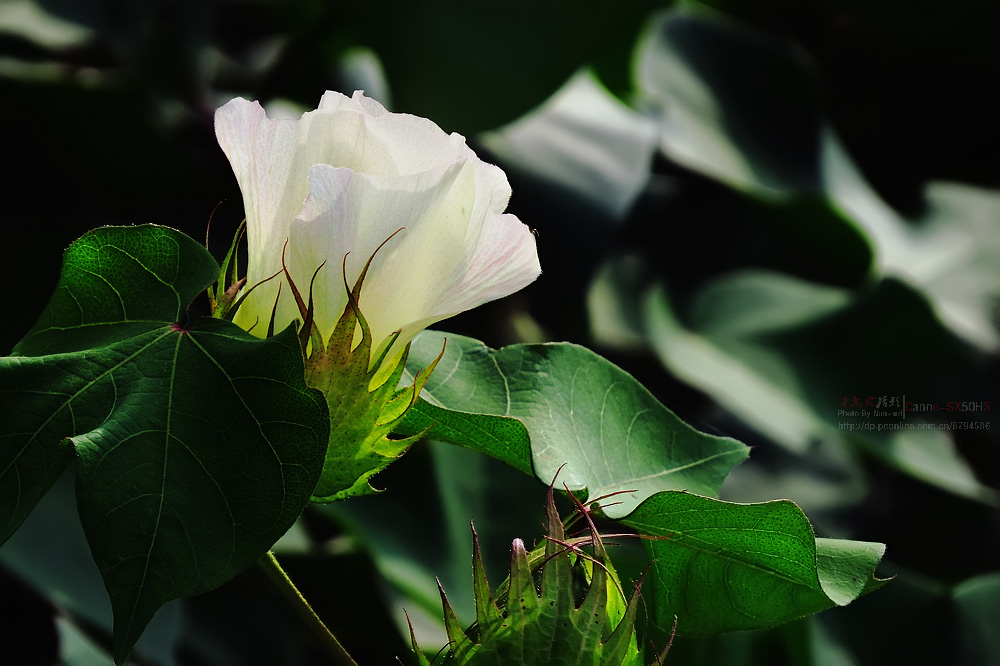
pixel 535 618
pixel 365 405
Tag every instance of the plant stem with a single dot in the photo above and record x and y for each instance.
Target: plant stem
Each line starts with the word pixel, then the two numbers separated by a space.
pixel 284 586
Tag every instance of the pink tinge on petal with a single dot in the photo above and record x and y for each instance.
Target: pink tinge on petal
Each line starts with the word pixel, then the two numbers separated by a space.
pixel 504 260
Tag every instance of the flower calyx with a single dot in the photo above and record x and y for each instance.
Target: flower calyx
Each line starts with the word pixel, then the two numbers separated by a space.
pixel 536 618
pixel 222 296
pixel 361 392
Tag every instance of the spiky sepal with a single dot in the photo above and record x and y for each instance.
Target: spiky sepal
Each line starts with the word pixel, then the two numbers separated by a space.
pixel 361 415
pixel 222 295
pixel 534 618
pixel 361 394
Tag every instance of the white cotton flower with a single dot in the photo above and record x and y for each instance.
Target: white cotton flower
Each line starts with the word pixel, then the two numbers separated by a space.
pixel 342 180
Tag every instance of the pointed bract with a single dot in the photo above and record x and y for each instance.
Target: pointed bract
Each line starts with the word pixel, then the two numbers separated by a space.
pixel 364 405
pixel 538 623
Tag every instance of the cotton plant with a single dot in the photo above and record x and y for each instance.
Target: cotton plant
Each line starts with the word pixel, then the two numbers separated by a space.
pixel 198 442
pixel 351 196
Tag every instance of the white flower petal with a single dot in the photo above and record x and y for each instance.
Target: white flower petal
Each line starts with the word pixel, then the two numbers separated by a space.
pixel 503 261
pixel 262 153
pixel 345 178
pixel 424 214
pixel 413 144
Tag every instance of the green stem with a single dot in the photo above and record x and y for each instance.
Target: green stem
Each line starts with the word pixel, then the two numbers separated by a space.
pixel 285 588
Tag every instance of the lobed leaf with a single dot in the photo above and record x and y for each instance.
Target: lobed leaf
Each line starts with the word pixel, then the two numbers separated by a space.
pixel 197 446
pixel 117 282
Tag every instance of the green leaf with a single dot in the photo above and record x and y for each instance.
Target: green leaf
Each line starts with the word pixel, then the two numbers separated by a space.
pixel 723 566
pixel 197 445
pixel 581 411
pixel 952 256
pixel 754 302
pixel 43 28
pixel 931 455
pixel 503 438
pixel 118 282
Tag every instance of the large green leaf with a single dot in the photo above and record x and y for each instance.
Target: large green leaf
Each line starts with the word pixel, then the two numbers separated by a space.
pixel 756 302
pixel 720 566
pixel 502 437
pixel 119 282
pixel 951 255
pixel 197 445
pixel 580 411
